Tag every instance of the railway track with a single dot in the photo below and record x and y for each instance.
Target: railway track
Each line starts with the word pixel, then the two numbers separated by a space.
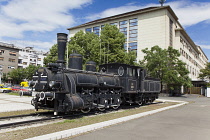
pixel 24 115
pixel 28 119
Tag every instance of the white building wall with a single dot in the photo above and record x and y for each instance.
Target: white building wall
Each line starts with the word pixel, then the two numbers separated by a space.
pixel 152 31
pixel 30 57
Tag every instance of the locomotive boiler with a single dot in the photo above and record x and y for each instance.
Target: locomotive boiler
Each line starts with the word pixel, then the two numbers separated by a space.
pixel 62 89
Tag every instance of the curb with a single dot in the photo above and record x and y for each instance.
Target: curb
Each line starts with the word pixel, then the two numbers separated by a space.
pixel 84 129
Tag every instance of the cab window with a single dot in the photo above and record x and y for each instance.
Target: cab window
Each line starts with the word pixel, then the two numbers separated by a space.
pixel 134 72
pixel 129 72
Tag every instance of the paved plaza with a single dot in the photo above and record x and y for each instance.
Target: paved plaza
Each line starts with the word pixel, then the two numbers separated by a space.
pixel 187 122
pixel 14 103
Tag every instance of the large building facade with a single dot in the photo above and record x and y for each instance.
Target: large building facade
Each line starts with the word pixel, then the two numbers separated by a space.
pixel 8 57
pixel 29 56
pixel 149 27
pixel 12 57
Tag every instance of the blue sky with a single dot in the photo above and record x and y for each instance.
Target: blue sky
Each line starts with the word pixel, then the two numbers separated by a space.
pixel 36 22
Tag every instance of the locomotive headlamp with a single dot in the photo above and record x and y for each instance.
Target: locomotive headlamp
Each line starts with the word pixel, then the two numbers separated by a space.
pixel 54 84
pixel 51 83
pixel 32 83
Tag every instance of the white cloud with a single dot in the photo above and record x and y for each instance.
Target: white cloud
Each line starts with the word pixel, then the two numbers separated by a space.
pixel 205 46
pixel 21 16
pixel 191 13
pixel 38 45
pixel 36 15
pixel 118 10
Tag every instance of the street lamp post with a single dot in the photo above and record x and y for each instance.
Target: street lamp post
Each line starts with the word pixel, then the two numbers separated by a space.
pixel 161 2
pixel 0 73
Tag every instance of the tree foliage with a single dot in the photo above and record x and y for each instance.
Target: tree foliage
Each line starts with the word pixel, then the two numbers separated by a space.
pixel 165 65
pixel 52 57
pixel 205 73
pixel 86 44
pixel 29 71
pixel 112 44
pixel 108 47
pixel 19 74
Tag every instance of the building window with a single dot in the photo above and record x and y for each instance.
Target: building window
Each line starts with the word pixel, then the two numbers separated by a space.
pixel 88 30
pixel 33 64
pixel 1 52
pixel 24 63
pixel 20 67
pixel 102 26
pixel 133 46
pixel 96 30
pixel 123 27
pixel 19 61
pixel 124 31
pixel 11 67
pixel 12 53
pixel 133 29
pixel 114 23
pixel 11 60
pixel 171 32
pixel 125 46
pixel 39 59
pixel 1 58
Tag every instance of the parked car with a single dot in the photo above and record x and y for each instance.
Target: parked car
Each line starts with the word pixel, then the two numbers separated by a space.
pixel 5 89
pixel 16 88
pixel 25 89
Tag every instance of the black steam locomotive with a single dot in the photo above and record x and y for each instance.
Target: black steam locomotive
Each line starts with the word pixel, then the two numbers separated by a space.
pixel 72 89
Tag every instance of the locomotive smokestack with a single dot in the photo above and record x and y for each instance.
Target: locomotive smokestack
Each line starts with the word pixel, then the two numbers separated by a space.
pixel 61 40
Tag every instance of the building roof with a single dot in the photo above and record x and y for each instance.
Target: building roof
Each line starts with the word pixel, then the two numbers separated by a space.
pixel 184 33
pixel 136 12
pixel 202 51
pixel 11 46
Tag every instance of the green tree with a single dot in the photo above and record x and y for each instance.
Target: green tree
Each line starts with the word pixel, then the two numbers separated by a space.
pixel 86 44
pixel 5 77
pixel 52 57
pixel 205 73
pixel 17 75
pixel 29 71
pixel 108 47
pixel 165 65
pixel 112 44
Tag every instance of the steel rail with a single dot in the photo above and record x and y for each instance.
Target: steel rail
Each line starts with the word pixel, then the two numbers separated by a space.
pixel 21 123
pixel 24 115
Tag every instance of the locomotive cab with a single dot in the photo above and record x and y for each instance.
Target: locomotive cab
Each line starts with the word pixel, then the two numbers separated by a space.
pixel 137 87
pixel 130 76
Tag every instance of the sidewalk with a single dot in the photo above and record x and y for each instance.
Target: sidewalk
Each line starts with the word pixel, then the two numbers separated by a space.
pixel 14 103
pixel 88 128
pixel 188 122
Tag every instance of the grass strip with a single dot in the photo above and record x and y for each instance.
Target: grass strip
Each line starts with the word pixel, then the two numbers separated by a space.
pixel 78 122
pixel 21 112
pixel 14 93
